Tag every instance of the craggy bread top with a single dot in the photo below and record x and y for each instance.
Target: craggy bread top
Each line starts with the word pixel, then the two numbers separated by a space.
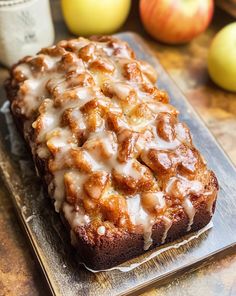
pixel 116 155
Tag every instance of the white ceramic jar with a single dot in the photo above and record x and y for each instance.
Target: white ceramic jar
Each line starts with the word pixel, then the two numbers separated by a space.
pixel 25 27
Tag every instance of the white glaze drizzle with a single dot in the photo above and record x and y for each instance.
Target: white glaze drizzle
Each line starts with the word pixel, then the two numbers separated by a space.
pixel 128 169
pixel 186 186
pixel 140 217
pixel 59 190
pixel 75 217
pixel 167 223
pixel 189 210
pixel 160 200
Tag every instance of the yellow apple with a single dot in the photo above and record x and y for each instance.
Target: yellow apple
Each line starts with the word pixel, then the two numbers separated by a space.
pixel 89 17
pixel 222 58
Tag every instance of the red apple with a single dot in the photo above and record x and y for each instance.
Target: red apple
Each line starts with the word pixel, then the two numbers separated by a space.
pixel 176 21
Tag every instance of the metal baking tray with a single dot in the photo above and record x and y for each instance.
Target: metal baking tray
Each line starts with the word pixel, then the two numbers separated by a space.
pixel 50 240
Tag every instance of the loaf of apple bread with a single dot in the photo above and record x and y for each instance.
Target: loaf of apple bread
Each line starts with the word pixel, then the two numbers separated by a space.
pixel 120 167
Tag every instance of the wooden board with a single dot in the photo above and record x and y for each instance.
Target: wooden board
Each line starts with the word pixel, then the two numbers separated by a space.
pixel 50 241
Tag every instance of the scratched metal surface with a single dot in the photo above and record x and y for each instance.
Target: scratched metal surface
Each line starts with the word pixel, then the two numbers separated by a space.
pixel 50 240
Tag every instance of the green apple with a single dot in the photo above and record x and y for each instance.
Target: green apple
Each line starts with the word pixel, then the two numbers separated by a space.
pixel 222 58
pixel 89 17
